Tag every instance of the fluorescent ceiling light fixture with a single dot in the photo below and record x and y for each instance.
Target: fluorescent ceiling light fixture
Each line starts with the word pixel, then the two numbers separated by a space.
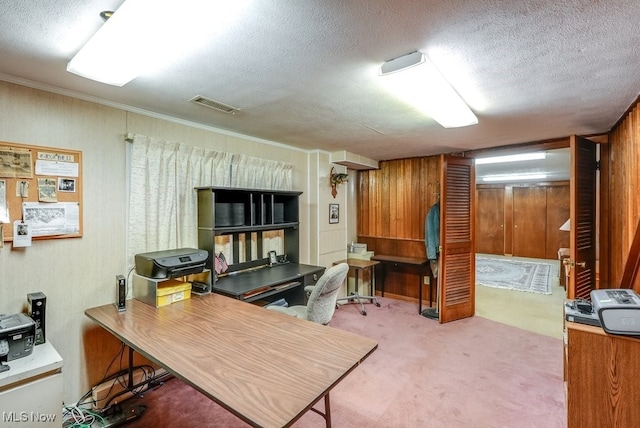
pixel 511 177
pixel 416 81
pixel 144 35
pixel 512 158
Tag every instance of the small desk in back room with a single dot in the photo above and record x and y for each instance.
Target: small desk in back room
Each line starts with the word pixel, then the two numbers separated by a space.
pixel 421 263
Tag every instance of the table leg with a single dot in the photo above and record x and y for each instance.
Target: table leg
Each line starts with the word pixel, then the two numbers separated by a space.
pixel 327 411
pixel 130 369
pixel 432 281
pixel 420 293
pixel 357 295
pixel 372 277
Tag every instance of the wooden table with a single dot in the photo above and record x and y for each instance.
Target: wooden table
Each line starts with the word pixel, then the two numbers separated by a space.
pixel 362 265
pixel 418 262
pixel 267 368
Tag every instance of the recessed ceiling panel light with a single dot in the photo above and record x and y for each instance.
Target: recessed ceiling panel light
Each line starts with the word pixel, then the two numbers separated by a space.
pixel 514 177
pixel 416 81
pixel 145 35
pixel 511 158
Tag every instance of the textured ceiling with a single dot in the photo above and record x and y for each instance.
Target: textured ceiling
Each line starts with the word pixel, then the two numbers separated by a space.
pixel 304 73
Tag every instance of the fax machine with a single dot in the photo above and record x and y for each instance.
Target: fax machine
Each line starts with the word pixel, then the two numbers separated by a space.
pixel 171 263
pixel 17 336
pixel 618 310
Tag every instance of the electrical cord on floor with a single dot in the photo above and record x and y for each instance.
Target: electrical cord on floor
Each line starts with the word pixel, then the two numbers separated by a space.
pixel 117 377
pixel 105 378
pixel 79 417
pixel 76 417
pixel 149 374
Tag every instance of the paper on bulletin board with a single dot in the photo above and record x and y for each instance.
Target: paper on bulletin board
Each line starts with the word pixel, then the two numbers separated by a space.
pixel 48 219
pixel 64 169
pixel 21 234
pixel 4 208
pixel 15 163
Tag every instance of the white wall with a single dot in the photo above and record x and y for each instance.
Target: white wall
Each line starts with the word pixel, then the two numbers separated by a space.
pixel 76 274
pixel 332 237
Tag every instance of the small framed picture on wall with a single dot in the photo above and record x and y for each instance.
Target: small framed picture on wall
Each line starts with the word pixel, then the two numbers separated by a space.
pixel 334 213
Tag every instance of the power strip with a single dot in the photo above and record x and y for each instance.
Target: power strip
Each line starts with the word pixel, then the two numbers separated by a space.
pixel 103 392
pixel 122 416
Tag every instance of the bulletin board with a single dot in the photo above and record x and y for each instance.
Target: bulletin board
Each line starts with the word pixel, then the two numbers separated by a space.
pixel 40 192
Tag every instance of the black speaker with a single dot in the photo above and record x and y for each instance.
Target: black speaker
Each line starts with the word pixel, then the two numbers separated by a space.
pixel 121 293
pixel 37 306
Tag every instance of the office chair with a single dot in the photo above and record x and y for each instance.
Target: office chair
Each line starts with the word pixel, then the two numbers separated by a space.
pixel 356 297
pixel 322 301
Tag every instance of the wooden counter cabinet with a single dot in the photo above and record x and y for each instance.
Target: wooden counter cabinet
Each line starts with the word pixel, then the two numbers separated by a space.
pixel 602 375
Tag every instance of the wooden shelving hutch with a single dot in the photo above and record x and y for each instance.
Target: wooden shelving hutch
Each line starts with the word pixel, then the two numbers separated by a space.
pixel 236 212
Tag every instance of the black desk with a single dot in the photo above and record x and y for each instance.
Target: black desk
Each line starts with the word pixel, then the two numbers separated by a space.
pixel 418 262
pixel 266 282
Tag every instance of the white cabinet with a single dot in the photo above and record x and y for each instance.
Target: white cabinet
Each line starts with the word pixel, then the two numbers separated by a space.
pixel 31 390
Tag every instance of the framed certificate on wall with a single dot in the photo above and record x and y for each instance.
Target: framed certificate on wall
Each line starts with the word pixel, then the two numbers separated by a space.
pixel 334 213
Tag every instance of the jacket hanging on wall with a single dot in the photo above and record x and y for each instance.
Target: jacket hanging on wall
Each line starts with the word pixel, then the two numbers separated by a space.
pixel 432 236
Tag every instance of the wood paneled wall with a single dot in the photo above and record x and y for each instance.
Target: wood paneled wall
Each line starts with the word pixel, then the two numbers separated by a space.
pixel 394 199
pixel 623 208
pixel 522 219
pixel 393 202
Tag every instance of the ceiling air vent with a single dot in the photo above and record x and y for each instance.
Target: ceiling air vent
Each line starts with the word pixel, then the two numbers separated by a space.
pixel 207 102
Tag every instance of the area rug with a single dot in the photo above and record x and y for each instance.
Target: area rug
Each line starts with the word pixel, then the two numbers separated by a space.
pixel 514 275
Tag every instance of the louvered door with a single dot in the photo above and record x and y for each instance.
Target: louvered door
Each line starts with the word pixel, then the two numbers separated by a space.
pixel 456 299
pixel 583 224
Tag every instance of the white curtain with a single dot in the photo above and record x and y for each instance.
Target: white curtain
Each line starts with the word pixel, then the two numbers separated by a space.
pixel 162 202
pixel 255 173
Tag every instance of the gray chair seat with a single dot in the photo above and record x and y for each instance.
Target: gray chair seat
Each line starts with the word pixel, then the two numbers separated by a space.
pixel 322 301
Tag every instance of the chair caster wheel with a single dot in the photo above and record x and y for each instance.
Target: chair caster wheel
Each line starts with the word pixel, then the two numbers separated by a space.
pixel 364 313
pixel 378 304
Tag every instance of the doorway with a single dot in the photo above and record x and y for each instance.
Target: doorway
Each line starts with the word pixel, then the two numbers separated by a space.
pixel 520 220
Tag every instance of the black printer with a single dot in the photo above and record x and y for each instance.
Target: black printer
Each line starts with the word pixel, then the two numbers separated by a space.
pixel 17 336
pixel 171 263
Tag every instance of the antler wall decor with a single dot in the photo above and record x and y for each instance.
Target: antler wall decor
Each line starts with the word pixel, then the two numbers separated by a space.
pixel 336 178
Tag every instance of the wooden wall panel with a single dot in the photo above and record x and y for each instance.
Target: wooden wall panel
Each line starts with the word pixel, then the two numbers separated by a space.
pixel 623 210
pixel 490 221
pixel 394 200
pixel 393 203
pixel 508 220
pixel 529 221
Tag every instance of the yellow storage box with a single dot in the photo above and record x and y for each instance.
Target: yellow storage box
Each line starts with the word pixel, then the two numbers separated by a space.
pixel 160 292
pixel 168 294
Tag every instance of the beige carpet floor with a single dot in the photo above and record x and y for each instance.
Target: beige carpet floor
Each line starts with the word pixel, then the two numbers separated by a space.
pixel 538 313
